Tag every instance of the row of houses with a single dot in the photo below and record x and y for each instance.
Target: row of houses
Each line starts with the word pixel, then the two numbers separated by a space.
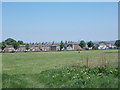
pixel 55 47
pixel 105 46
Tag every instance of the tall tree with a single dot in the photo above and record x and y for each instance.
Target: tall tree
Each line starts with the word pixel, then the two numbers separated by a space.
pixel 103 42
pixel 10 41
pixel 82 44
pixel 15 45
pixel 90 44
pixel 20 42
pixel 117 43
pixel 3 45
pixel 27 46
pixel 61 45
pixel 0 45
pixel 53 43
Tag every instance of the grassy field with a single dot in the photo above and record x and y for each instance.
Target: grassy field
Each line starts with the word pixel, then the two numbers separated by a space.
pixel 34 69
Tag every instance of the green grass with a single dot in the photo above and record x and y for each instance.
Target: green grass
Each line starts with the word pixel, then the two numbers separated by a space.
pixel 81 77
pixel 25 70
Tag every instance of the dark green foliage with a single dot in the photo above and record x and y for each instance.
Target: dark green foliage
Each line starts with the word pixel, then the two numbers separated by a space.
pixel 3 45
pixel 117 43
pixel 15 45
pixel 27 46
pixel 10 41
pixel 82 44
pixel 102 42
pixel 61 45
pixel 20 42
pixel 90 44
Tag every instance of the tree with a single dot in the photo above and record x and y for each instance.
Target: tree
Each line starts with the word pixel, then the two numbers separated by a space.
pixel 15 45
pixel 82 44
pixel 102 42
pixel 10 41
pixel 53 43
pixel 90 44
pixel 3 45
pixel 27 46
pixel 20 42
pixel 0 45
pixel 61 45
pixel 117 43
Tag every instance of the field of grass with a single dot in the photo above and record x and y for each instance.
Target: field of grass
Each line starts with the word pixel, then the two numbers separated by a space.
pixel 37 69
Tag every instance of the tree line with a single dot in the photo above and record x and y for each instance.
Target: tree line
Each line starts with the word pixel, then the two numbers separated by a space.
pixel 90 44
pixel 16 44
pixel 82 44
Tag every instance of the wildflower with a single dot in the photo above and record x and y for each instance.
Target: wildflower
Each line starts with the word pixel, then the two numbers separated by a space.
pixel 99 74
pixel 111 72
pixel 73 77
pixel 68 73
pixel 85 73
pixel 88 77
pixel 115 69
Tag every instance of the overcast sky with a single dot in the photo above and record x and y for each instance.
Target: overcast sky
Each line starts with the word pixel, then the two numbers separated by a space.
pixel 38 22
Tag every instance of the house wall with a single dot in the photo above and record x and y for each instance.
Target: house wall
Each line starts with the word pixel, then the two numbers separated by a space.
pixel 102 47
pixel 9 49
pixel 21 48
pixel 69 48
pixel 45 48
pixel 53 48
pixel 76 47
pixel 57 48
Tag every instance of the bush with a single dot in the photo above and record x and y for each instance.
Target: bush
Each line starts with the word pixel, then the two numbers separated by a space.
pixel 95 48
pixel 81 77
